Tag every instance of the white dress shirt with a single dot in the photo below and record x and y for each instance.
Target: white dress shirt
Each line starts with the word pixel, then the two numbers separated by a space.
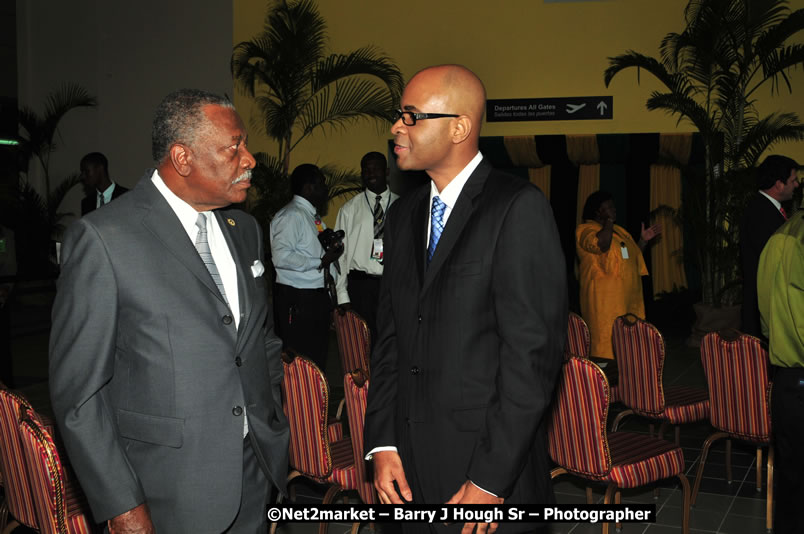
pixel 773 201
pixel 295 249
pixel 356 219
pixel 449 196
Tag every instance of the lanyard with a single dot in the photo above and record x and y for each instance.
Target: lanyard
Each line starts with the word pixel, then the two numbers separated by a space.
pixel 387 203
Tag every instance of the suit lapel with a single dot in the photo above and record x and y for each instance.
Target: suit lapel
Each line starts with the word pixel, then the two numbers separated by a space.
pixel 245 280
pixel 419 221
pixel 162 222
pixel 460 215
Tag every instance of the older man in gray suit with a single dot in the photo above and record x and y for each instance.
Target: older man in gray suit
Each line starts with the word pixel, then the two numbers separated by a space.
pixel 164 367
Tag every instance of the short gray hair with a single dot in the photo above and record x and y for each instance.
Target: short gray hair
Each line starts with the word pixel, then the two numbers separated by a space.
pixel 179 119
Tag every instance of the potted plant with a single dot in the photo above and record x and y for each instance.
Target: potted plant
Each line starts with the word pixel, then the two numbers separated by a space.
pixel 711 73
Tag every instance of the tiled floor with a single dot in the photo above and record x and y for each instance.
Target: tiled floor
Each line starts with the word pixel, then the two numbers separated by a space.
pixel 736 508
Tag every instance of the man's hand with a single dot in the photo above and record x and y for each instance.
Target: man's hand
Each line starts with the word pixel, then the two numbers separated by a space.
pixel 343 308
pixel 471 494
pixel 649 233
pixel 332 254
pixel 387 470
pixel 135 521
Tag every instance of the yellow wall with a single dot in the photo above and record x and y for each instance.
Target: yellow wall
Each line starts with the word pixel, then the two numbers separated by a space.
pixel 519 48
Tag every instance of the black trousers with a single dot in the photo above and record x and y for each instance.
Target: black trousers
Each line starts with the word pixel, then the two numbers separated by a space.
pixel 302 318
pixel 787 421
pixel 364 294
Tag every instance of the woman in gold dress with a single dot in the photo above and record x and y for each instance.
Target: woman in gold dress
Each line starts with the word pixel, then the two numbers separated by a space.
pixel 611 269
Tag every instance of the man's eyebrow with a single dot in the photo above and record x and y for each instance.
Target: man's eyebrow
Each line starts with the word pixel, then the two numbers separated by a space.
pixel 237 139
pixel 411 108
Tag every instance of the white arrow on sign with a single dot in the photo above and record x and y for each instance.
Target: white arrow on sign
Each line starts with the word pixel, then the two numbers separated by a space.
pixel 602 107
pixel 572 108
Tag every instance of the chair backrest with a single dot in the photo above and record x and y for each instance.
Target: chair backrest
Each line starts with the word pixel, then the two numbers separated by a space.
pixel 355 385
pixel 12 459
pixel 354 341
pixel 739 390
pixel 578 340
pixel 639 350
pixel 577 428
pixel 305 398
pixel 46 475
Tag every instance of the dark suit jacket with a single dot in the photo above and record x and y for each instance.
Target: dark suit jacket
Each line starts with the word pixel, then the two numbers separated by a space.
pixel 147 367
pixel 760 220
pixel 469 348
pixel 89 203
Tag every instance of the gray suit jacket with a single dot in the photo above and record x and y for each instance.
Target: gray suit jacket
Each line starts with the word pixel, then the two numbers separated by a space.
pixel 148 374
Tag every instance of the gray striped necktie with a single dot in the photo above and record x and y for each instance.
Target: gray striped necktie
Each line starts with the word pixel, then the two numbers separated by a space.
pixel 202 245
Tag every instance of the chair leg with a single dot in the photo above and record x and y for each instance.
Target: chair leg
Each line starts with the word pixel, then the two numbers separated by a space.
pixel 661 429
pixel 355 527
pixel 769 498
pixel 590 498
pixel 728 460
pixel 620 416
pixel 685 522
pixel 759 468
pixel 329 497
pixel 704 453
pixel 678 435
pixel 607 498
pixel 617 496
pixel 11 526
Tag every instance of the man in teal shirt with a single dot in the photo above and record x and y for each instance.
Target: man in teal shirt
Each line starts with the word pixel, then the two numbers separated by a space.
pixel 780 287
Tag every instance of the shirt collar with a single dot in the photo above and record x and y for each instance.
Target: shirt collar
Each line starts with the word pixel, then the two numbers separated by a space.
pixel 373 196
pixel 305 204
pixel 773 200
pixel 186 213
pixel 449 195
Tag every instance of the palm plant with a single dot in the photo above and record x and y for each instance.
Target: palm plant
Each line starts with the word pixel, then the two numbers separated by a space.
pixel 41 131
pixel 711 72
pixel 300 88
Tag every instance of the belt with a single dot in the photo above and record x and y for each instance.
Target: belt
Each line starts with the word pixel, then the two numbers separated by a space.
pixel 316 289
pixel 362 275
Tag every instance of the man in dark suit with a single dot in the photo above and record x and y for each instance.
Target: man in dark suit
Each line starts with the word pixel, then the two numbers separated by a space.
pixel 99 189
pixel 472 316
pixel 164 366
pixel 776 180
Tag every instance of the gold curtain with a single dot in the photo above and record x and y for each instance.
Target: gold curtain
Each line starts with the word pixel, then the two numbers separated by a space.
pixel 541 178
pixel 582 149
pixel 665 190
pixel 522 151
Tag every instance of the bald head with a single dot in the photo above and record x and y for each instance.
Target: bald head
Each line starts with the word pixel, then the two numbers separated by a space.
pixel 448 103
pixel 462 90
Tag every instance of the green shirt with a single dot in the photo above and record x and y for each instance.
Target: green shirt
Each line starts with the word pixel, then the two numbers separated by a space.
pixel 780 288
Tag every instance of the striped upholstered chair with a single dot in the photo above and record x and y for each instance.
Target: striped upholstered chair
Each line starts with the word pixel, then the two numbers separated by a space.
pixel 354 341
pixel 312 454
pixel 578 340
pixel 639 349
pixel 355 385
pixel 736 367
pixel 42 492
pixel 580 445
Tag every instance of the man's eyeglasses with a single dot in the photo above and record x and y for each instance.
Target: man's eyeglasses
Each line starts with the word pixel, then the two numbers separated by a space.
pixel 409 118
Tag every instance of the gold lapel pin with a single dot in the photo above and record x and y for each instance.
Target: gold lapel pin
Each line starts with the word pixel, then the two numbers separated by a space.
pixel 231 222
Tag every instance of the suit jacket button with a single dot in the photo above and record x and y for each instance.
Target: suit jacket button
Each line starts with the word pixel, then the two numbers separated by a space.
pixel 414 370
pixel 227 319
pixel 237 410
pixel 238 361
pixel 420 319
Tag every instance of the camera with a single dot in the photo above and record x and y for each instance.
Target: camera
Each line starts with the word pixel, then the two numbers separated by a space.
pixel 331 239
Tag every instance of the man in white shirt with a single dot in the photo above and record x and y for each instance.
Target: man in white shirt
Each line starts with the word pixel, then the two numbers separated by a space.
pixel 164 366
pixel 98 187
pixel 301 298
pixel 362 218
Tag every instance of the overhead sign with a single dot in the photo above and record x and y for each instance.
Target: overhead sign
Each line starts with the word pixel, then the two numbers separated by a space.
pixel 550 109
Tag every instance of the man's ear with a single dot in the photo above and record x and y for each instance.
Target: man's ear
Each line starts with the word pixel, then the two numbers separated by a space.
pixel 181 158
pixel 461 128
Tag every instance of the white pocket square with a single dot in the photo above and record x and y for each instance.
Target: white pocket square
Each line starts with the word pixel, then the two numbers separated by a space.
pixel 257 268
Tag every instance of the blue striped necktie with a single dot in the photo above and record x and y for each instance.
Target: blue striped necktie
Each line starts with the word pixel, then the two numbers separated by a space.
pixel 202 245
pixel 436 226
